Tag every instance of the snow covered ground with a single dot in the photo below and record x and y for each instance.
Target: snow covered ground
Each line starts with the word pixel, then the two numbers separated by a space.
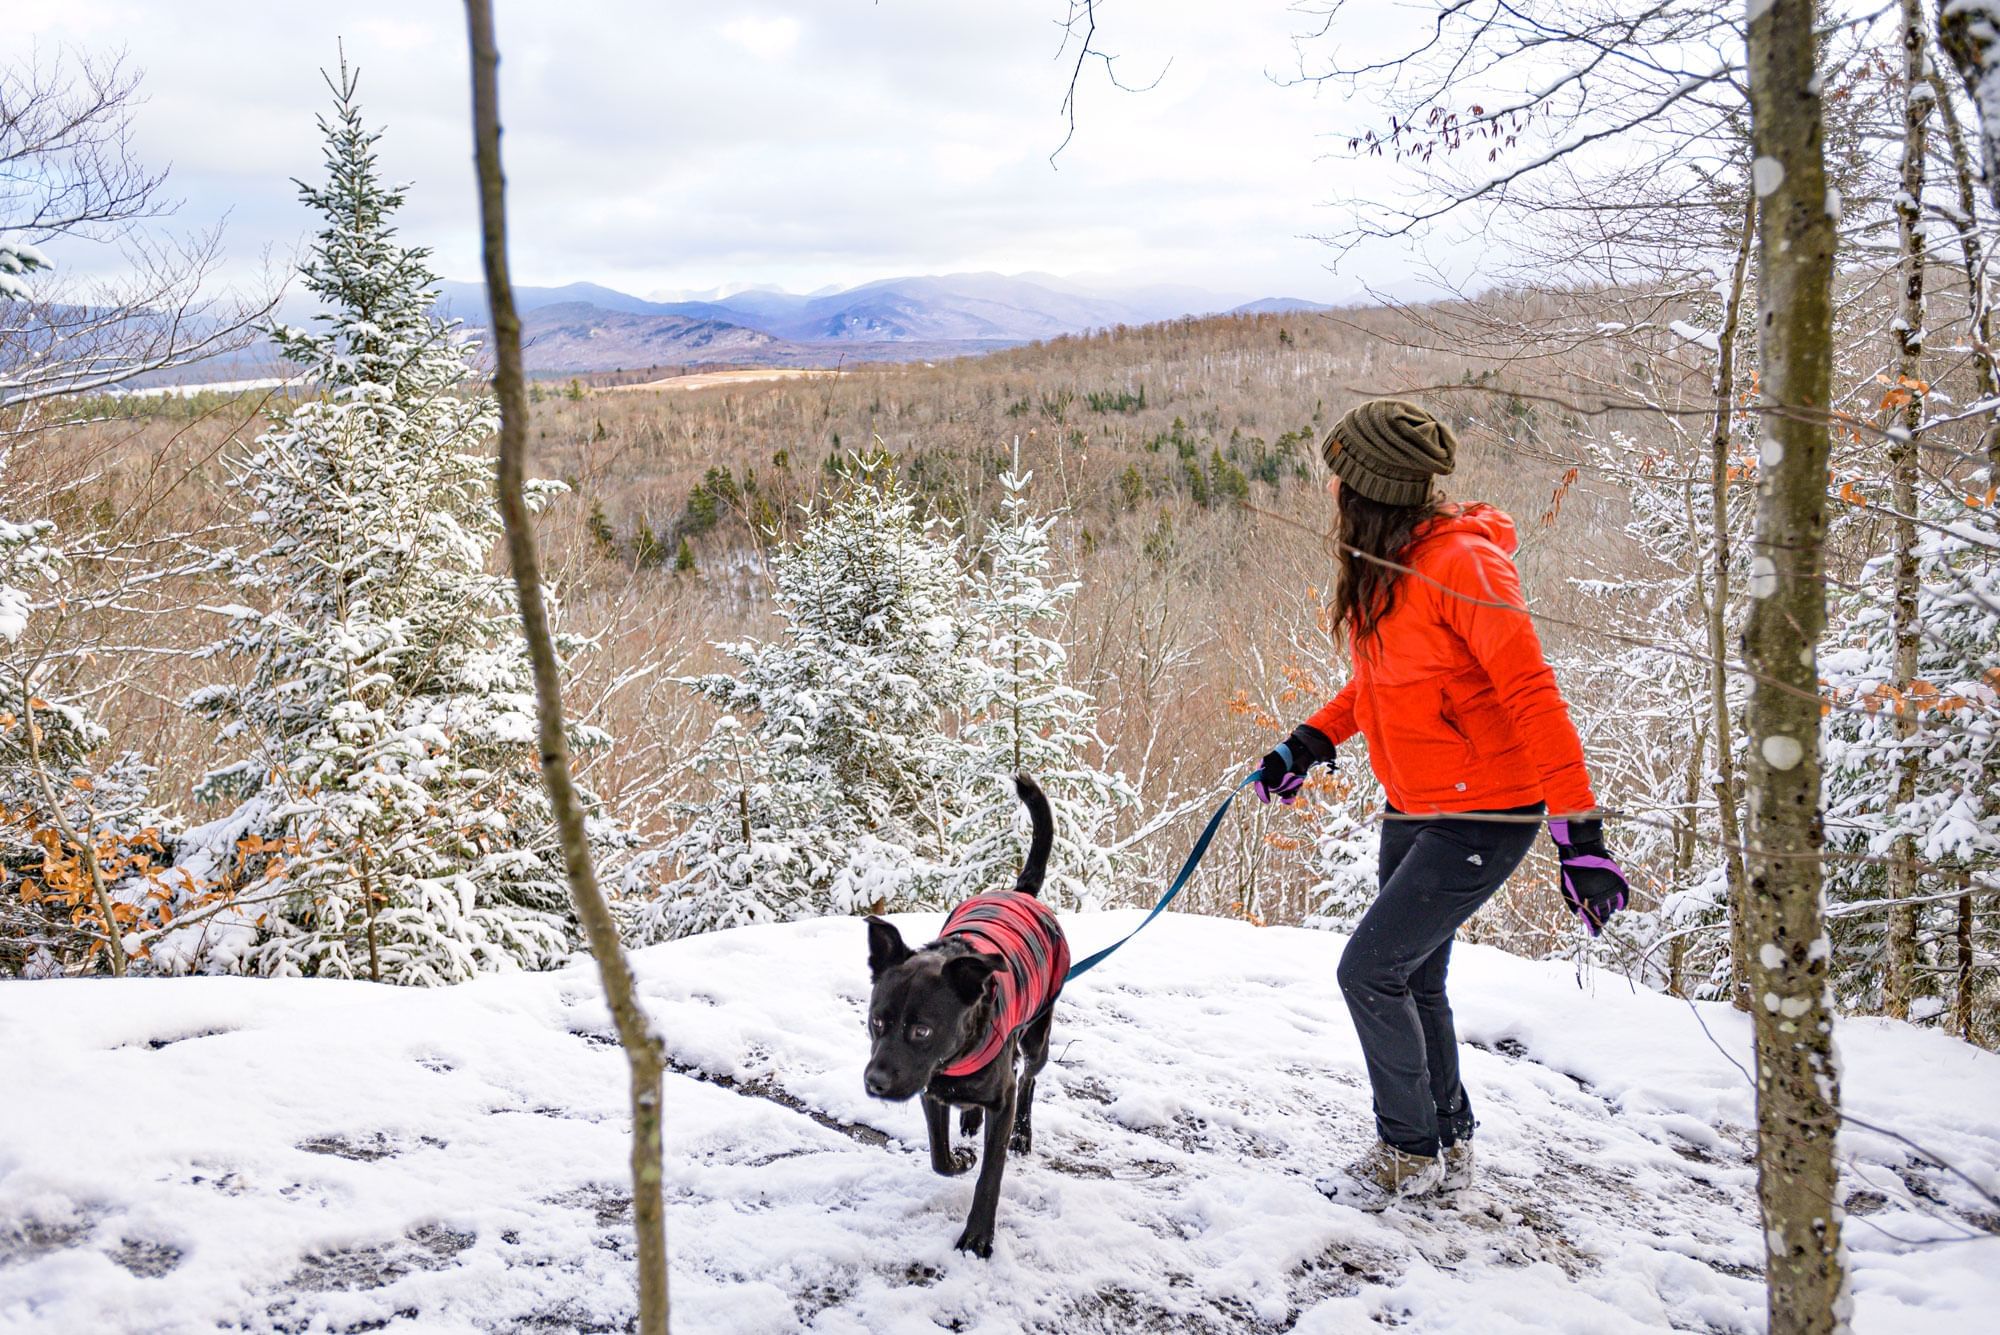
pixel 306 1156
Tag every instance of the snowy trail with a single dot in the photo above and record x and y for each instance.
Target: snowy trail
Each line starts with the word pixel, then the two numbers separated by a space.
pixel 303 1156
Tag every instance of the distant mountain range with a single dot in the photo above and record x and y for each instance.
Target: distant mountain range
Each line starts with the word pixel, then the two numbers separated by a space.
pixel 587 327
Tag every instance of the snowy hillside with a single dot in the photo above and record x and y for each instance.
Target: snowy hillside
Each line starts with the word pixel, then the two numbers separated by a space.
pixel 302 1156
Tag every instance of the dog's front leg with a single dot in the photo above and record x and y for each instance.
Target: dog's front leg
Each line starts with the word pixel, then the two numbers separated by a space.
pixel 945 1160
pixel 978 1235
pixel 1023 1141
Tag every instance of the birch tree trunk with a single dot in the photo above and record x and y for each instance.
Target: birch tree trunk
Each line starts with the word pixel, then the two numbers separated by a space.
pixel 642 1047
pixel 1900 948
pixel 1798 1091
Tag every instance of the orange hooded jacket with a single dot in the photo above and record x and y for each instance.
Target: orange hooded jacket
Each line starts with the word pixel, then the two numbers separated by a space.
pixel 1460 710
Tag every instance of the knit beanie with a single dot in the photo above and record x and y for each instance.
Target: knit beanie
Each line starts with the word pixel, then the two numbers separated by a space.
pixel 1389 450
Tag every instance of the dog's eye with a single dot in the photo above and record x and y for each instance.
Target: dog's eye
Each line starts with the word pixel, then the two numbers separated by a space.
pixel 877 1026
pixel 920 1033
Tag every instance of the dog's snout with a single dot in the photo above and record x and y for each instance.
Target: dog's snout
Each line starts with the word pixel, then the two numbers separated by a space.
pixel 876 1082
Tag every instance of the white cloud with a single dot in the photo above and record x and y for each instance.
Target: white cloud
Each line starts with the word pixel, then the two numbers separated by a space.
pixel 764 38
pixel 799 144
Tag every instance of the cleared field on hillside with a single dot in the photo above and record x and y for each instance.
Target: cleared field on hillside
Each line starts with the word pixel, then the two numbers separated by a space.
pixel 710 379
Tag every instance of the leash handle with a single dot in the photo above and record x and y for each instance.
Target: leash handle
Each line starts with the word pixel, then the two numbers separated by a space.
pixel 1194 858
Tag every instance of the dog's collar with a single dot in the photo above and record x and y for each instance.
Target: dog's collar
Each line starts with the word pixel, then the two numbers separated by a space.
pixel 973 1060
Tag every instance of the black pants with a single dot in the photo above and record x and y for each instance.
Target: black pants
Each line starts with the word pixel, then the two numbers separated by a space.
pixel 1433 875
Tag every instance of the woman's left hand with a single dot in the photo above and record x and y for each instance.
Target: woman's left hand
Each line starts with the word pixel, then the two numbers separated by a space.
pixel 1593 884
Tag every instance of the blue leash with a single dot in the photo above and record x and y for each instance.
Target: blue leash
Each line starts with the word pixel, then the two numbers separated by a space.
pixel 1194 858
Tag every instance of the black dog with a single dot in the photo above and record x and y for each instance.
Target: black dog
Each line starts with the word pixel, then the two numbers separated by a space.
pixel 955 1018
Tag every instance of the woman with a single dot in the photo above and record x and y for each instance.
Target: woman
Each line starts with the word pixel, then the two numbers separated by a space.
pixel 1474 748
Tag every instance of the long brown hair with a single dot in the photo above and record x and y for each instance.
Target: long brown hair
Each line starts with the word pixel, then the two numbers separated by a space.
pixel 1367 588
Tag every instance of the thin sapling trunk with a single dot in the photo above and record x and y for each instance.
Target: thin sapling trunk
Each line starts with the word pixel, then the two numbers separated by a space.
pixel 642 1046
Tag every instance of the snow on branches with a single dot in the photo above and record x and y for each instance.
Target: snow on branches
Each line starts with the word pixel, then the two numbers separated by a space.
pixel 79 835
pixel 860 760
pixel 392 823
pixel 1027 717
pixel 1949 715
pixel 834 777
pixel 17 258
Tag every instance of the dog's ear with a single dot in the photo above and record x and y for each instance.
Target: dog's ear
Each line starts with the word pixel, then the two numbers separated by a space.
pixel 885 947
pixel 968 975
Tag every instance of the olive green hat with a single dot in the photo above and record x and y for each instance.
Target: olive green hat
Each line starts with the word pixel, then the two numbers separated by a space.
pixel 1389 450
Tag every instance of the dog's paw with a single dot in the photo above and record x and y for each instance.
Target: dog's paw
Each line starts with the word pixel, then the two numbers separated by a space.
pixel 970 1120
pixel 961 1158
pixel 1023 1141
pixel 977 1239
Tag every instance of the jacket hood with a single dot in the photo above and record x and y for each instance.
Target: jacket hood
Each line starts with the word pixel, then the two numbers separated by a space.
pixel 1485 521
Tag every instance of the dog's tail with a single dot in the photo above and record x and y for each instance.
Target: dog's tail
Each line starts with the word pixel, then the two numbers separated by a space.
pixel 1030 880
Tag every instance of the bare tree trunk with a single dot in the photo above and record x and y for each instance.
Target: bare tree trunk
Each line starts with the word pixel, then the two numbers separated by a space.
pixel 1974 263
pixel 1962 1017
pixel 1687 829
pixel 368 902
pixel 1728 796
pixel 1687 839
pixel 1798 1089
pixel 1983 364
pixel 642 1046
pixel 1969 32
pixel 1900 949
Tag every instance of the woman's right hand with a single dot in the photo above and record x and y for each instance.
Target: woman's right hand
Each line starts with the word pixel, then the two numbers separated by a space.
pixel 1282 773
pixel 1278 779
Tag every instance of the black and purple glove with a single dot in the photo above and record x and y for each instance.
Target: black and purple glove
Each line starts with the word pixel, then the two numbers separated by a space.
pixel 1593 885
pixel 1283 771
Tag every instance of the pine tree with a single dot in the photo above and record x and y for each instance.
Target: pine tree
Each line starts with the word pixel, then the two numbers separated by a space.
pixel 390 789
pixel 835 772
pixel 1341 850
pixel 1028 718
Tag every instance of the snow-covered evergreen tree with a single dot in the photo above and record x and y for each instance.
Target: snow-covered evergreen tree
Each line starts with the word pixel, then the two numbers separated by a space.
pixel 1340 849
pixel 1029 718
pixel 390 803
pixel 1954 817
pixel 28 556
pixel 837 778
pixel 18 257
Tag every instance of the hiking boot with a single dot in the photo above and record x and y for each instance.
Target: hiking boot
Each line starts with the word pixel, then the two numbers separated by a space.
pixel 1383 1175
pixel 1457 1166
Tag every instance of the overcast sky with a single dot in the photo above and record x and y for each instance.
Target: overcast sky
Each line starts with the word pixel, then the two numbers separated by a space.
pixel 656 146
